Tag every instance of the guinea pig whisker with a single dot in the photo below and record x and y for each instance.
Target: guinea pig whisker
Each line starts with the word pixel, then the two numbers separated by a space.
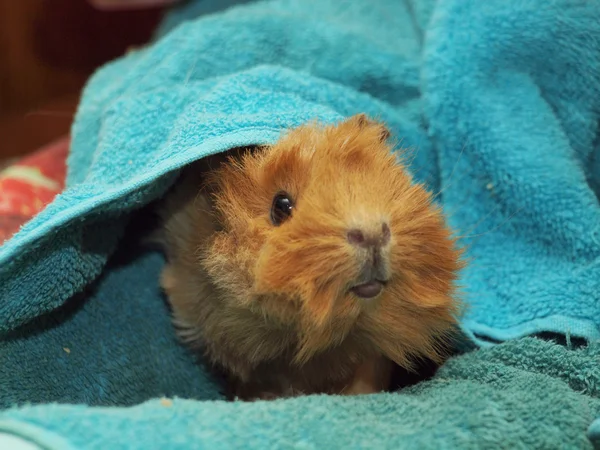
pixel 497 227
pixel 451 181
pixel 467 202
pixel 450 184
pixel 462 150
pixel 190 72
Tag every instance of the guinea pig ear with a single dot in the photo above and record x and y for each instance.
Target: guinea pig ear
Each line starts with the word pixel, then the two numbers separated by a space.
pixel 362 121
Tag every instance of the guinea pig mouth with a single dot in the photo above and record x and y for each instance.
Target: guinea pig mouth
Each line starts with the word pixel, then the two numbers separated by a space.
pixel 370 289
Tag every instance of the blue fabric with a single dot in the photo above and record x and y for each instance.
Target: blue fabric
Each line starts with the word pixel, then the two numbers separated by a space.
pixel 499 100
pixel 522 394
pixel 594 433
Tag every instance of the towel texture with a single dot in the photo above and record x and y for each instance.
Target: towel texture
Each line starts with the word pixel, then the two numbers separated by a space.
pixel 594 433
pixel 500 102
pixel 523 394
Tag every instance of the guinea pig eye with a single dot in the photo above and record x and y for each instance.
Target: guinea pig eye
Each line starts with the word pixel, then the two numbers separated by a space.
pixel 281 209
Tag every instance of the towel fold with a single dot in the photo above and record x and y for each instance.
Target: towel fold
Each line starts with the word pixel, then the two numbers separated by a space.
pixel 523 394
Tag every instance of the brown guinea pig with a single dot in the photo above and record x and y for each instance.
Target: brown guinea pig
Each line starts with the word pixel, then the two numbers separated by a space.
pixel 309 266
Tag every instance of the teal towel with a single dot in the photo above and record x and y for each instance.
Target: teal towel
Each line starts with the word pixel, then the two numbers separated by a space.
pixel 594 433
pixel 499 101
pixel 524 394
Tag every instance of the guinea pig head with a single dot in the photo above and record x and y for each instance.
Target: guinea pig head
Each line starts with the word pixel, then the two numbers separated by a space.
pixel 330 235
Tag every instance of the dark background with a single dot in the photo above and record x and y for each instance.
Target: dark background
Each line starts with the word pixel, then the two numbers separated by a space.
pixel 48 49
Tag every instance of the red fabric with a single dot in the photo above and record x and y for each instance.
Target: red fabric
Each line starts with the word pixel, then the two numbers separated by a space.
pixel 28 185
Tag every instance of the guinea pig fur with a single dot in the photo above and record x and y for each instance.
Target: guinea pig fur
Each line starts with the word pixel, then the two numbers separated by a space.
pixel 311 265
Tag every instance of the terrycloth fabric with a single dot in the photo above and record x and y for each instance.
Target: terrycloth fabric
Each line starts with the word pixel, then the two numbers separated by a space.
pixel 594 433
pixel 500 100
pixel 113 345
pixel 523 394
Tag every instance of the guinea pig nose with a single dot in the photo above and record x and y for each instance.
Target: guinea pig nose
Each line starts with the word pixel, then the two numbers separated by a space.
pixel 364 239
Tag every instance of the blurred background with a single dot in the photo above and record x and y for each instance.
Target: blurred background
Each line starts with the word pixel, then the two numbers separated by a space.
pixel 48 49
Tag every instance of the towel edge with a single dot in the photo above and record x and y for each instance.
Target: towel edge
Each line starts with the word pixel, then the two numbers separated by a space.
pixel 569 326
pixel 229 140
pixel 34 434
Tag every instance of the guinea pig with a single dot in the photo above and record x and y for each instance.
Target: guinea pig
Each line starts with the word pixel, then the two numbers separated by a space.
pixel 312 265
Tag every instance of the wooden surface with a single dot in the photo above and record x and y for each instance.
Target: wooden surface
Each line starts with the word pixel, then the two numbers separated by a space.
pixel 48 49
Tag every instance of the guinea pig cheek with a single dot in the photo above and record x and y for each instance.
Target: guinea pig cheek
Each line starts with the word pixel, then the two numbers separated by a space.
pixel 300 272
